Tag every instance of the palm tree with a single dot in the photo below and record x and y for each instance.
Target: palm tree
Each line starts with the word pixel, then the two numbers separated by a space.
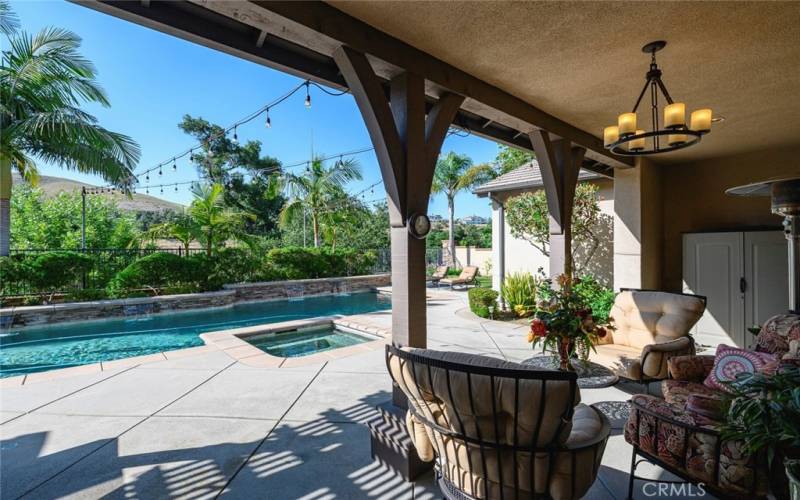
pixel 43 81
pixel 455 173
pixel 182 228
pixel 215 222
pixel 316 191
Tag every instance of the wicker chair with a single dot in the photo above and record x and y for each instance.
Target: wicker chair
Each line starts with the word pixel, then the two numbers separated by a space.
pixel 498 429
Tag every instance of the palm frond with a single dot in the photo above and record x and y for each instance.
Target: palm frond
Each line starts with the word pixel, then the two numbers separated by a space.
pixel 9 21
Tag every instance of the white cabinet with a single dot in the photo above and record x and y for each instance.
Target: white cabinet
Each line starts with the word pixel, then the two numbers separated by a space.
pixel 744 277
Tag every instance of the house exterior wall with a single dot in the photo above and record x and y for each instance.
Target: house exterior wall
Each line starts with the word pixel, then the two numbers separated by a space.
pixel 637 226
pixel 521 256
pixel 694 200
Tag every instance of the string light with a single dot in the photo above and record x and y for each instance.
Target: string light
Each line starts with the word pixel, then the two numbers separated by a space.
pixel 308 95
pixel 159 170
pixel 176 188
pixel 235 136
pixel 174 165
pixel 268 122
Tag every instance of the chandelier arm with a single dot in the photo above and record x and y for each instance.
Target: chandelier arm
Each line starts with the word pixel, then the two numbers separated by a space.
pixel 654 111
pixel 664 90
pixel 641 94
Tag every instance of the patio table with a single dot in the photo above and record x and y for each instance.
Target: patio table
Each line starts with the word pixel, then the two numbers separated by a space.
pixel 590 375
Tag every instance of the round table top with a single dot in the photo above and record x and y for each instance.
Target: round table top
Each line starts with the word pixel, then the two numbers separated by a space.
pixel 590 375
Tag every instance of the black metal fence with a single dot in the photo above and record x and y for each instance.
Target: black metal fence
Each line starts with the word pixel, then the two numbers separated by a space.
pixel 109 261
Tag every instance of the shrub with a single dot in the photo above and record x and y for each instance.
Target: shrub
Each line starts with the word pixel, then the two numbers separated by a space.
pixel 519 293
pixel 155 271
pixel 298 263
pixel 599 298
pixel 52 271
pixel 306 263
pixel 14 272
pixel 481 299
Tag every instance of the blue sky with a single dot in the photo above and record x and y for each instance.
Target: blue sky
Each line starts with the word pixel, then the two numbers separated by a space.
pixel 153 79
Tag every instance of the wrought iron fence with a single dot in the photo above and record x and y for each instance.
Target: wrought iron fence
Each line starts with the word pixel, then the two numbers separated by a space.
pixel 109 261
pixel 106 263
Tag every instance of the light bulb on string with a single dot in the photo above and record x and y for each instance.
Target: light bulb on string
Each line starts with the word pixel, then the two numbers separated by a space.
pixel 174 165
pixel 159 170
pixel 147 177
pixel 308 95
pixel 162 189
pixel 268 122
pixel 176 188
pixel 235 136
pixel 147 191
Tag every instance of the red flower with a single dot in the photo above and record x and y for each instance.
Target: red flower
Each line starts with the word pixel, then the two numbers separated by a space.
pixel 582 313
pixel 538 328
pixel 601 332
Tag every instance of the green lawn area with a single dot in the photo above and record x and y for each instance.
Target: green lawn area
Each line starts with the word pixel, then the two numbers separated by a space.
pixel 484 281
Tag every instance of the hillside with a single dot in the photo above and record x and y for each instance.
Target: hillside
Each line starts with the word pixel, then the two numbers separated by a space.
pixel 138 203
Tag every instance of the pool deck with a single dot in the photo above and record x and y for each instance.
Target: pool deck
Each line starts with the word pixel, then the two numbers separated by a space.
pixel 201 423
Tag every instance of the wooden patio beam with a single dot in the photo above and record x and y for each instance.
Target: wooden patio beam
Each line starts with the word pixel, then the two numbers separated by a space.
pixel 559 163
pixel 407 137
pixel 307 21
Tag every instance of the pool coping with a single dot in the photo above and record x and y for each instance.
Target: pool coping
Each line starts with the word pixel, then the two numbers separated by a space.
pixel 231 343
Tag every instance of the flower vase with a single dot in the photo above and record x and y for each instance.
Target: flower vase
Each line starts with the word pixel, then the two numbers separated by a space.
pixel 564 345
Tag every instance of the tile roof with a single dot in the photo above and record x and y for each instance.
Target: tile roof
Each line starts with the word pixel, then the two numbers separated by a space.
pixel 527 176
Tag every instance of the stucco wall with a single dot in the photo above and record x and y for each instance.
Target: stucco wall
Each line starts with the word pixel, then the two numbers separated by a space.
pixel 521 256
pixel 694 200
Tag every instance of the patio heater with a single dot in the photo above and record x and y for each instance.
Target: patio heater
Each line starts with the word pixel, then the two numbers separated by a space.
pixel 785 196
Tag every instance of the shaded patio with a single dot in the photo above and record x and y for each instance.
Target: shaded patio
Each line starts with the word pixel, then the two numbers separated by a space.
pixel 201 425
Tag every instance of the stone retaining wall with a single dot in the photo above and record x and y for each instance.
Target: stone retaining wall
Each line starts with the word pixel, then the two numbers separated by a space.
pixel 272 290
pixel 246 292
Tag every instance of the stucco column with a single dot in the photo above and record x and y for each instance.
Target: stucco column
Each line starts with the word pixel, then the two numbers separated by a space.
pixel 638 232
pixel 498 246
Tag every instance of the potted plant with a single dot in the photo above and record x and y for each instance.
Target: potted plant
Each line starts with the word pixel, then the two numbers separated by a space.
pixel 563 322
pixel 764 413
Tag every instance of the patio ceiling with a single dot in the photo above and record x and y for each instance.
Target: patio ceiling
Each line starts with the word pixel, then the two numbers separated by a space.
pixel 581 61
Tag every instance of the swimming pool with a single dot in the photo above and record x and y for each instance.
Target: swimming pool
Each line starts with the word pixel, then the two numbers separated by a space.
pixel 36 349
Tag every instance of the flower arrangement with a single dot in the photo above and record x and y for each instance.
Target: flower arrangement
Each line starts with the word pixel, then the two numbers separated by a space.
pixel 563 322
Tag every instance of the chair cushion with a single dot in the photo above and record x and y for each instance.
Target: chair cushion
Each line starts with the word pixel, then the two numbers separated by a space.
pixel 677 392
pixel 778 334
pixel 692 448
pixel 646 317
pixel 621 359
pixel 731 361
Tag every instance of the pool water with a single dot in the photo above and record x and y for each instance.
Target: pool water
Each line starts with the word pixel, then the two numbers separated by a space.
pixel 34 349
pixel 301 343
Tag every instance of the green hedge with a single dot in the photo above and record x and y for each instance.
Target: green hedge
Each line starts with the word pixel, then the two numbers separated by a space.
pixel 162 272
pixel 481 299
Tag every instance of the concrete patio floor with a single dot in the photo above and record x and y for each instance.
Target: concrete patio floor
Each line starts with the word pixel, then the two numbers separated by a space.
pixel 206 425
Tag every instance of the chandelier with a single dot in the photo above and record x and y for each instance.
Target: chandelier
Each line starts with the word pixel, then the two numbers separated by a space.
pixel 628 140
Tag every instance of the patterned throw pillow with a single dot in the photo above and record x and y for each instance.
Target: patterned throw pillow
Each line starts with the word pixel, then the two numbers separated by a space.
pixel 731 361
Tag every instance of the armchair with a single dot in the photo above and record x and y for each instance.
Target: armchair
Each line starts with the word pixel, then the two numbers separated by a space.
pixel 498 429
pixel 651 328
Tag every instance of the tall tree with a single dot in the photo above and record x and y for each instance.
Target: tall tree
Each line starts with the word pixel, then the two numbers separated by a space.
pixel 316 191
pixel 249 179
pixel 43 82
pixel 509 158
pixel 455 173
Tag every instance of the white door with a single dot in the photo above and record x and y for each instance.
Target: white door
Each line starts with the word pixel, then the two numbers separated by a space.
pixel 766 272
pixel 712 266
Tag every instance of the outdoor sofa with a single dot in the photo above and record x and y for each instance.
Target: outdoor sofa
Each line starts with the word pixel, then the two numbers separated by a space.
pixel 681 431
pixel 498 429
